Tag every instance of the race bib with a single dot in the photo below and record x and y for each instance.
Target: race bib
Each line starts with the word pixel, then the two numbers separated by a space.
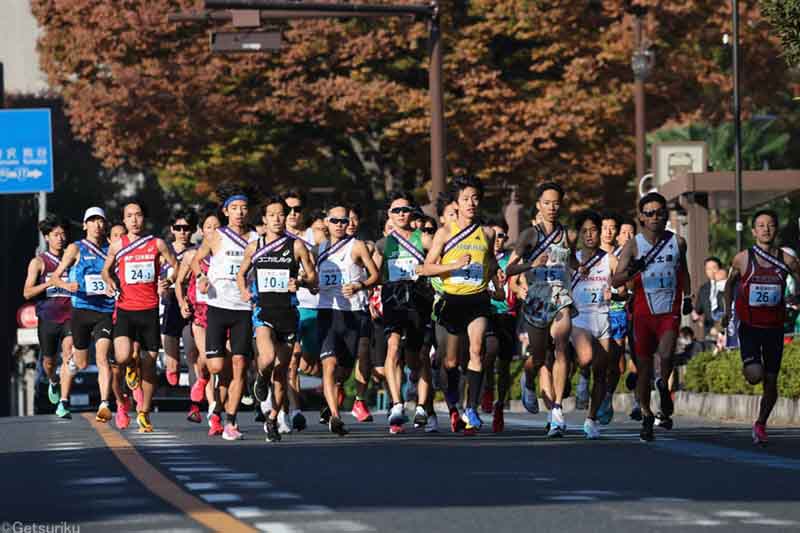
pixel 762 295
pixel 139 272
pixel 272 280
pixel 586 296
pixel 56 292
pixel 551 275
pixel 331 276
pixel 231 268
pixel 402 269
pixel 659 281
pixel 472 274
pixel 95 286
pixel 200 297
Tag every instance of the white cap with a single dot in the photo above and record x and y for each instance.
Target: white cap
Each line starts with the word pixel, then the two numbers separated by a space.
pixel 94 212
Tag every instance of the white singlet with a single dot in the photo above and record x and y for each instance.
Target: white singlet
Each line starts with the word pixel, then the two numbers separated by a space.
pixel 339 269
pixel 223 291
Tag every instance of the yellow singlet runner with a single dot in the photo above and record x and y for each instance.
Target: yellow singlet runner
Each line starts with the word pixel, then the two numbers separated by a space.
pixel 473 278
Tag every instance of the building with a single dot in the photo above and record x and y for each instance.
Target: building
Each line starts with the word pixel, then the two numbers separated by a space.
pixel 18 34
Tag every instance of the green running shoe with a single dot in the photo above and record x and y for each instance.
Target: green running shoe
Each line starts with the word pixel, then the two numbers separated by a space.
pixel 62 411
pixel 54 393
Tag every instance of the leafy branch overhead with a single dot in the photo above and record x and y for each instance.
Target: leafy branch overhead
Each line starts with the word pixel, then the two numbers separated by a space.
pixel 533 90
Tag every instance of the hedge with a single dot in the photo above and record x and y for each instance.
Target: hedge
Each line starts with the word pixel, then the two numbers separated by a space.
pixel 722 373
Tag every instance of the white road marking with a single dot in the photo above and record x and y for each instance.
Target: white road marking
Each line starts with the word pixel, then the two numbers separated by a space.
pixel 277 527
pixel 311 509
pixel 770 522
pixel 737 514
pixel 231 476
pixel 97 481
pixel 731 455
pixel 197 469
pixel 204 485
pixel 60 444
pixel 247 512
pixel 570 498
pixel 277 495
pixel 252 484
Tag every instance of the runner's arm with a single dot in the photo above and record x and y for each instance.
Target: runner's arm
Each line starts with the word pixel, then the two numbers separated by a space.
pixel 624 273
pixel 793 264
pixel 31 289
pixel 526 242
pixel 432 267
pixel 71 255
pixel 686 279
pixel 241 276
pixel 362 254
pixel 202 252
pixel 306 259
pixel 730 285
pixel 166 253
pixel 111 259
pixel 180 278
pixel 494 268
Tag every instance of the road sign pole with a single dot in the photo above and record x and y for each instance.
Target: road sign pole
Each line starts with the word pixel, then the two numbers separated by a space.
pixel 437 108
pixel 6 324
pixel 737 126
pixel 42 214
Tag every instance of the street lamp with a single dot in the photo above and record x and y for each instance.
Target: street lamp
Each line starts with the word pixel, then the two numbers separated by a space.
pixel 642 64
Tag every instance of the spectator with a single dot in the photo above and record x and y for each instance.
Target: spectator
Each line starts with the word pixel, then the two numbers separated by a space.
pixel 685 348
pixel 709 305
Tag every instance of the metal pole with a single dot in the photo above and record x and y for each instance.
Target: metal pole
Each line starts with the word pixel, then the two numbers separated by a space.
pixel 42 197
pixel 6 319
pixel 418 10
pixel 737 126
pixel 638 94
pixel 438 162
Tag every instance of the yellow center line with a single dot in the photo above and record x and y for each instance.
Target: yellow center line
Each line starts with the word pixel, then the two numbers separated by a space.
pixel 163 487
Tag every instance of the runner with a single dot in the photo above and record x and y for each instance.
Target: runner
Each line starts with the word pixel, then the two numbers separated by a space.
pixel 194 307
pixel 137 258
pixel 276 258
pixel 759 275
pixel 591 330
pixel 406 313
pixel 627 231
pixel 656 263
pixel 500 343
pixel 228 316
pixel 121 418
pixel 462 254
pixel 342 317
pixel 306 348
pixel 53 306
pixel 543 253
pixel 92 312
pixel 173 324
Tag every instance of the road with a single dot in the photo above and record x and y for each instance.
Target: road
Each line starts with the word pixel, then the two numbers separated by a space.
pixel 701 476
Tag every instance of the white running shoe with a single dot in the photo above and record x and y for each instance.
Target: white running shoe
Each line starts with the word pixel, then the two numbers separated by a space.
pixel 592 429
pixel 283 427
pixel 557 425
pixel 397 415
pixel 266 405
pixel 433 424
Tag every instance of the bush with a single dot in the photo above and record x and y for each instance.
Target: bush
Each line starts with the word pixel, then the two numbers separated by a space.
pixel 722 374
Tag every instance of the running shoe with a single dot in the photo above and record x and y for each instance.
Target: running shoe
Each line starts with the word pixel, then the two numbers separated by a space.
pixel 630 381
pixel 231 432
pixel 529 399
pixel 557 425
pixel 420 417
pixel 283 427
pixel 456 424
pixel 260 388
pixel 582 394
pixel 172 378
pixel 104 414
pixel 498 422
pixel 636 412
pixel 298 420
pixel 143 420
pixel 433 424
pixel 325 415
pixel 397 415
pixel 62 411
pixel 471 419
pixel 760 434
pixel 335 425
pixel 548 423
pixel 215 425
pixel 132 377
pixel 487 401
pixel 605 413
pixel 53 393
pixel 662 421
pixel 198 392
pixel 247 400
pixel 361 412
pixel 591 429
pixel 271 429
pixel 260 416
pixel 194 414
pixel 647 435
pixel 667 407
pixel 138 397
pixel 121 418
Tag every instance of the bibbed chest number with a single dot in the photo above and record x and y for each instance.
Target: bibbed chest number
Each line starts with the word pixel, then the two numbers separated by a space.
pixel 332 276
pixel 472 274
pixel 551 274
pixel 402 268
pixel 659 281
pixel 95 285
pixel 590 296
pixel 138 272
pixel 764 295
pixel 272 280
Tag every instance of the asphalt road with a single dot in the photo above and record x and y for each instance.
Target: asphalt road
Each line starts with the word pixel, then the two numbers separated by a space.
pixel 700 476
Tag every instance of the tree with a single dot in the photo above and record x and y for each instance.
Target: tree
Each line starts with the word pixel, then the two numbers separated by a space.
pixel 534 90
pixel 784 15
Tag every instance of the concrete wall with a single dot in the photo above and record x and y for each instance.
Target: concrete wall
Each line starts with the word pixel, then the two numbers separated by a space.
pixel 18 33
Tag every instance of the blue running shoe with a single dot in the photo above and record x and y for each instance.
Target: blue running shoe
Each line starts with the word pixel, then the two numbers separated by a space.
pixel 473 420
pixel 605 413
pixel 54 393
pixel 529 399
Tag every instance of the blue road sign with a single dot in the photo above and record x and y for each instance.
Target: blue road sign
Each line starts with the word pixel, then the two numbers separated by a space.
pixel 26 151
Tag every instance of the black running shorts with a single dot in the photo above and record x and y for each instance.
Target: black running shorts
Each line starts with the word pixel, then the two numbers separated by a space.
pixel 50 336
pixel 762 346
pixel 141 326
pixel 225 323
pixel 87 325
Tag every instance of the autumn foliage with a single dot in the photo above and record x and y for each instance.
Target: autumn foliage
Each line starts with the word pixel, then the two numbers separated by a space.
pixel 534 89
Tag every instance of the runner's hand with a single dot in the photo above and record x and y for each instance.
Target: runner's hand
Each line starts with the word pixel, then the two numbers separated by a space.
pixel 351 289
pixel 541 260
pixel 687 305
pixel 72 286
pixel 607 294
pixel 636 266
pixel 583 271
pixel 111 289
pixel 186 310
pixel 202 285
pixel 292 285
pixel 246 296
pixel 463 261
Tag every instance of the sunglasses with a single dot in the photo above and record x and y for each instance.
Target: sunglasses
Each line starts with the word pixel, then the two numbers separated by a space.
pixel 295 208
pixel 428 230
pixel 399 210
pixel 502 236
pixel 181 227
pixel 337 221
pixel 661 212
